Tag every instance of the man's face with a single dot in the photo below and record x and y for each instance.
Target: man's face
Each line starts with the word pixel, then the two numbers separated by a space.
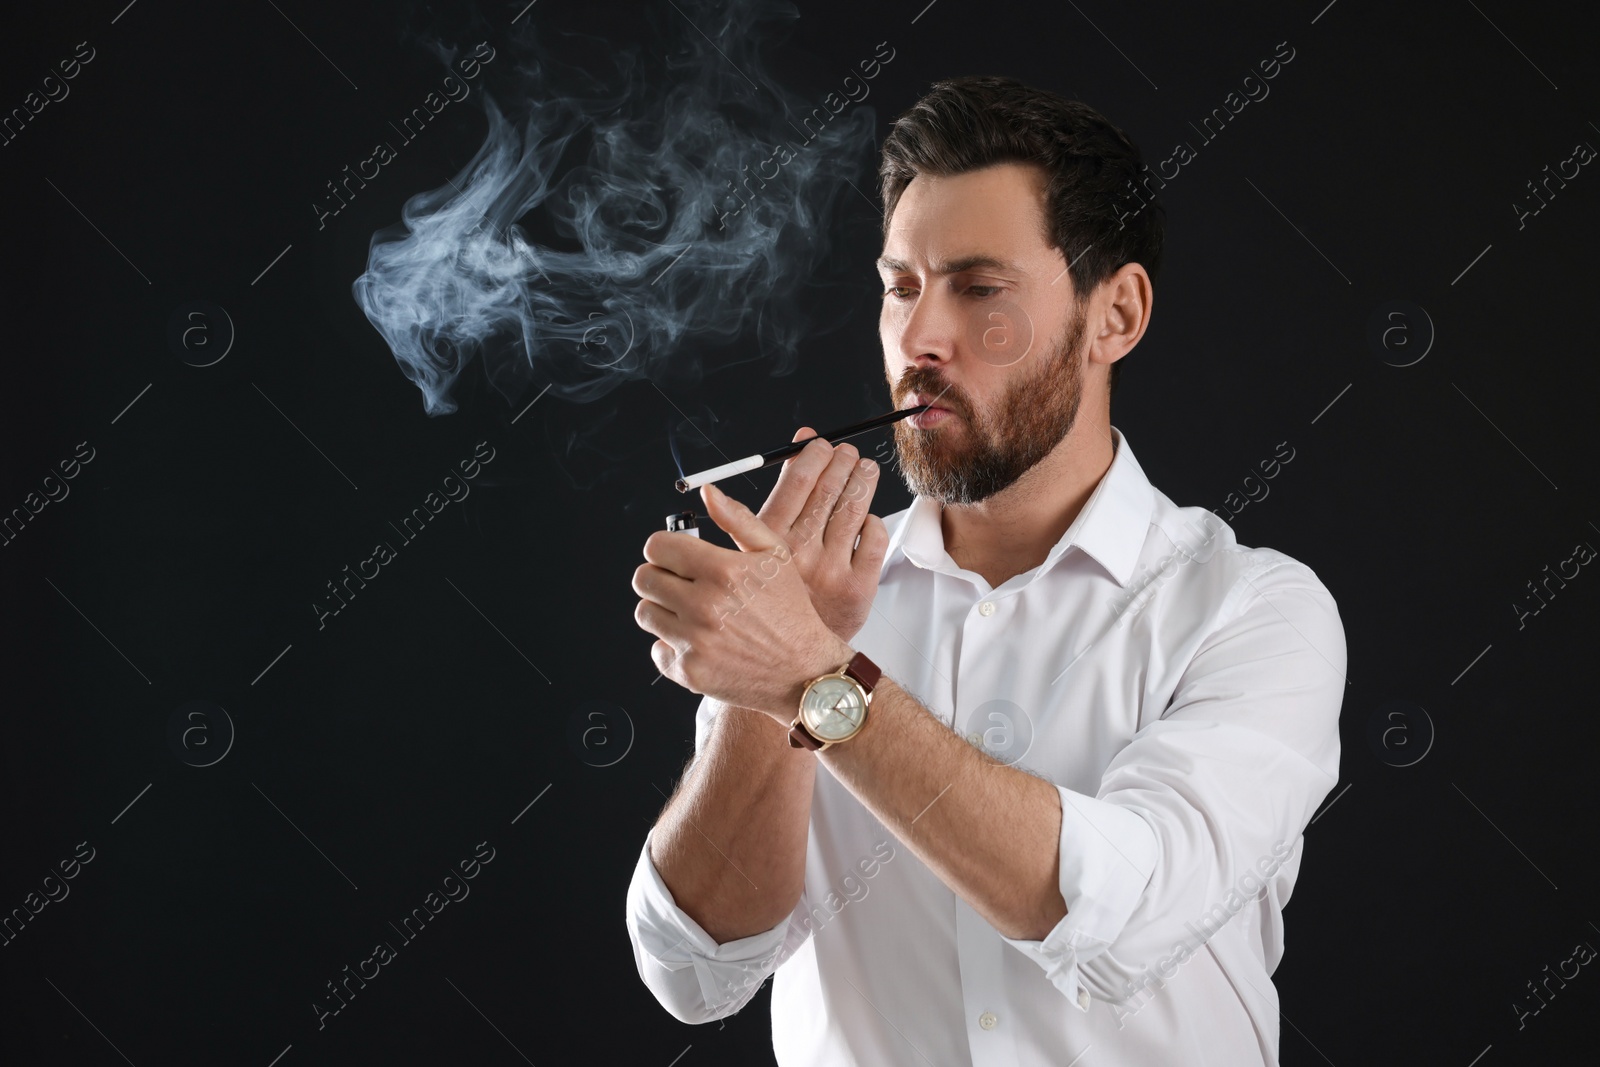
pixel 978 318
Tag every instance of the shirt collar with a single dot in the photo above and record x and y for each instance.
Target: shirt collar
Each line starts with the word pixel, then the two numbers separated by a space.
pixel 1111 528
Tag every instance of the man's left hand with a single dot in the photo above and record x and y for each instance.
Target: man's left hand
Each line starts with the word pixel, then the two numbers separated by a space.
pixel 735 626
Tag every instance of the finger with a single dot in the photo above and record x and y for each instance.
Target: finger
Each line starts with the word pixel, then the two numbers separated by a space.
pixel 663 655
pixel 655 619
pixel 670 590
pixel 825 494
pixel 746 528
pixel 795 482
pixel 867 563
pixel 851 510
pixel 687 557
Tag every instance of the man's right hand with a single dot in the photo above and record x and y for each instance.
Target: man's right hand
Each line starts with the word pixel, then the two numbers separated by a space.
pixel 819 507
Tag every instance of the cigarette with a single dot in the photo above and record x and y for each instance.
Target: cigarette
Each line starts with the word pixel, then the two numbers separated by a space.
pixel 778 455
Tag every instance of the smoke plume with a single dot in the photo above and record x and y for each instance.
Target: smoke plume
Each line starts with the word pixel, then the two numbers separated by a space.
pixel 614 227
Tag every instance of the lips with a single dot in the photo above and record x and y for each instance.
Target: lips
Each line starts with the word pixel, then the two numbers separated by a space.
pixel 931 417
pixel 934 415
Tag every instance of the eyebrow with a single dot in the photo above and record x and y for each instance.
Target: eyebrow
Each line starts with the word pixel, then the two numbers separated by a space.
pixel 954 266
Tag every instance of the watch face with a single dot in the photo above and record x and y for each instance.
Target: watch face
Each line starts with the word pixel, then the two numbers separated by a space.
pixel 833 708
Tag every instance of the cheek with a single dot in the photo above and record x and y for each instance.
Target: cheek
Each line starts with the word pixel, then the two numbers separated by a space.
pixel 984 394
pixel 889 320
pixel 894 364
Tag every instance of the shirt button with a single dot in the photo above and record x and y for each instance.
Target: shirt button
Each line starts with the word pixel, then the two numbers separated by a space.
pixel 988 1020
pixel 974 739
pixel 986 608
pixel 1083 999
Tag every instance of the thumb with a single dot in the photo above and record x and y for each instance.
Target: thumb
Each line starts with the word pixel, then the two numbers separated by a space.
pixel 741 524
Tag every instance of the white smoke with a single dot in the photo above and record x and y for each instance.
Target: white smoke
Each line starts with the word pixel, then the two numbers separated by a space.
pixel 637 176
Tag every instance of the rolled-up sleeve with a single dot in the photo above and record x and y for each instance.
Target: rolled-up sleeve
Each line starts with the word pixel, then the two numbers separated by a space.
pixel 694 978
pixel 1107 855
pixel 1201 808
pixel 690 974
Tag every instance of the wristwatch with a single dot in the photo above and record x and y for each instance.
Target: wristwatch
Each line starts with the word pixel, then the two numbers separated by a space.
pixel 834 706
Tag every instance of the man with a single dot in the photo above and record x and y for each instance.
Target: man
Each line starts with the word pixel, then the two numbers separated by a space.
pixel 1056 801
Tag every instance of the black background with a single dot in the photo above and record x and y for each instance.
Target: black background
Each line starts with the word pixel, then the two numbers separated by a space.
pixel 423 719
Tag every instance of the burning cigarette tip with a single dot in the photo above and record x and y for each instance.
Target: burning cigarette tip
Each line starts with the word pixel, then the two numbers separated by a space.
pixel 727 470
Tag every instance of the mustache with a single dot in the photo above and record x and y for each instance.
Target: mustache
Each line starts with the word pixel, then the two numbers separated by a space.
pixel 944 394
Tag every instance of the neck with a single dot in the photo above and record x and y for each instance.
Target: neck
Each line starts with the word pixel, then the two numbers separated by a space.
pixel 1014 530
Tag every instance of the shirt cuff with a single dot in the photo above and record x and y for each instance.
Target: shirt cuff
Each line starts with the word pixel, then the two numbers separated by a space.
pixel 726 973
pixel 1108 853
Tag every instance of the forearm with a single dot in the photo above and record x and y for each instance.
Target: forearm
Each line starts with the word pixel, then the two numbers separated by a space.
pixel 731 842
pixel 990 832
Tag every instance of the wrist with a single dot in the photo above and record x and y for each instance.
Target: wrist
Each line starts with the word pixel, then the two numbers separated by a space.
pixel 834 706
pixel 829 656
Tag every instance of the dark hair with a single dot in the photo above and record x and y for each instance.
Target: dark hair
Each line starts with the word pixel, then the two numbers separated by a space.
pixel 1098 214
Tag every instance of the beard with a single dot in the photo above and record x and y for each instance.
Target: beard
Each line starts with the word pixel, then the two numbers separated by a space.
pixel 989 450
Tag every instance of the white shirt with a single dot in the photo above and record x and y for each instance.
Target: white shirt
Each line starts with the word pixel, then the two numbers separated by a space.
pixel 1180 690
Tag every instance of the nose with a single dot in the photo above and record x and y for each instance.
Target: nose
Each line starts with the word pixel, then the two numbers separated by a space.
pixel 929 332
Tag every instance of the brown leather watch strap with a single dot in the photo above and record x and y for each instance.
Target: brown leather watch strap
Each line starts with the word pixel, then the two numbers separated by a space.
pixel 798 738
pixel 864 671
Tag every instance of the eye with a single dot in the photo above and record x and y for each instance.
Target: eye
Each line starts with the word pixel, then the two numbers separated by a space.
pixel 982 292
pixel 899 292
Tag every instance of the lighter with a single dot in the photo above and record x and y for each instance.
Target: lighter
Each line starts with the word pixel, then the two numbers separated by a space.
pixel 683 522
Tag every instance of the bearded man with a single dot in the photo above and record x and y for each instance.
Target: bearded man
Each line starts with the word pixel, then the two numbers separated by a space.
pixel 1022 769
